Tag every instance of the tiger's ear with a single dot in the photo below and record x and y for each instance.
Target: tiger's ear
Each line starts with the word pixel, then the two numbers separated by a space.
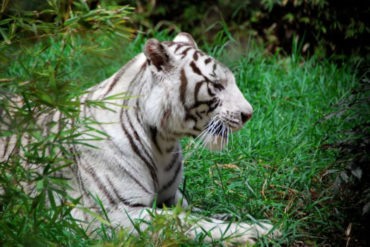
pixel 185 38
pixel 156 53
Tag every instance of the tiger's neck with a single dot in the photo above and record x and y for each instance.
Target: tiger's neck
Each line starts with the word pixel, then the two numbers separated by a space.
pixel 139 132
pixel 143 123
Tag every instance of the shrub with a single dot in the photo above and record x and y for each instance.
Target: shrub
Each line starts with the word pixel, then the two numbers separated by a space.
pixel 322 26
pixel 42 58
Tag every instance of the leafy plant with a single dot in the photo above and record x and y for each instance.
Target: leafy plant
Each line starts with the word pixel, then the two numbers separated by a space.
pixel 277 167
pixel 36 79
pixel 351 171
pixel 324 26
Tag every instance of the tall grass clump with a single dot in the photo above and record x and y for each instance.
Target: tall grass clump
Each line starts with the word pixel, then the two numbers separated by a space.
pixel 45 57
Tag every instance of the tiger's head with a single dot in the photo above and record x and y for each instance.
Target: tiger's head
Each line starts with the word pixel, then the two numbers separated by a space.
pixel 197 95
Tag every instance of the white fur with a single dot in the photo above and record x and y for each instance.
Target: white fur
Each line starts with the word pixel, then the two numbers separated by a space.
pixel 120 170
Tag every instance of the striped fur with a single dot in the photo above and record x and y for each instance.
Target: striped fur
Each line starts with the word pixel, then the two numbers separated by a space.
pixel 181 92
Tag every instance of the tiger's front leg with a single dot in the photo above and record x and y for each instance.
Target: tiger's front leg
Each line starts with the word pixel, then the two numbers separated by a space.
pixel 175 199
pixel 216 228
pixel 213 229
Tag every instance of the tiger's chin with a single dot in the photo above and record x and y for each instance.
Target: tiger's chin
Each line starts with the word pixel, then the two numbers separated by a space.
pixel 216 142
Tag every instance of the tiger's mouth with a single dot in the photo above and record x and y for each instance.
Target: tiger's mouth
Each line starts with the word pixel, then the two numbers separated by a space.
pixel 223 127
pixel 220 130
pixel 218 127
pixel 216 134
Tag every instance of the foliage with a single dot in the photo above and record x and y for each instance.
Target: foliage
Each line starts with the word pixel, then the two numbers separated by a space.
pixel 37 78
pixel 352 170
pixel 278 167
pixel 62 18
pixel 322 26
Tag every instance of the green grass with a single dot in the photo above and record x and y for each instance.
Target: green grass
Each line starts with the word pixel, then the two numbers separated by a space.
pixel 272 169
pixel 277 161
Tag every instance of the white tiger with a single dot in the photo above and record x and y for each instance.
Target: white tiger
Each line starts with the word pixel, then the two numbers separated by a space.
pixel 181 92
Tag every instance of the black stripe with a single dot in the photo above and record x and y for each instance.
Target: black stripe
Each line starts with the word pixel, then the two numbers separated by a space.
pixel 170 165
pixel 139 118
pixel 195 68
pixel 76 158
pixel 170 183
pixel 196 128
pixel 199 103
pixel 218 86
pixel 212 105
pixel 118 76
pixel 214 69
pixel 168 43
pixel 166 115
pixel 135 180
pixel 178 47
pixel 229 121
pixel 199 115
pixel 153 132
pixel 196 89
pixel 85 195
pixel 133 82
pixel 190 117
pixel 209 90
pixel 208 60
pixel 183 85
pixel 101 186
pixel 119 197
pixel 185 52
pixel 212 108
pixel 137 77
pixel 170 149
pixel 138 139
pixel 114 82
pixel 150 166
pixel 122 156
pixel 125 171
pixel 7 140
pixel 195 56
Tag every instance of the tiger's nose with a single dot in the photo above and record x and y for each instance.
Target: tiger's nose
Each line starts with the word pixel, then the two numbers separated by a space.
pixel 245 116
